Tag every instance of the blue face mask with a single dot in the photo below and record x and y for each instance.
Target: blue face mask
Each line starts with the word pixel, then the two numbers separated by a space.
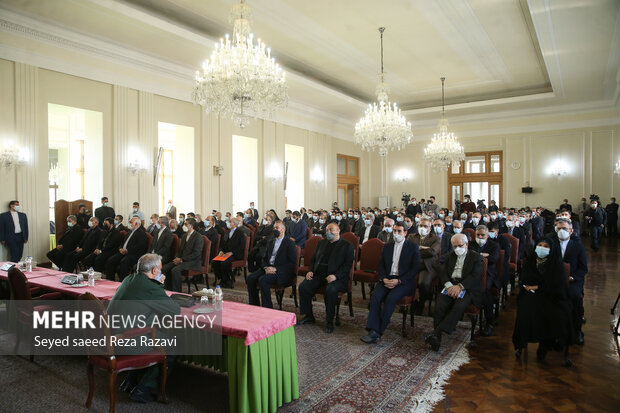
pixel 329 236
pixel 387 229
pixel 367 222
pixel 541 251
pixel 492 235
pixel 338 218
pixel 399 219
pixel 158 278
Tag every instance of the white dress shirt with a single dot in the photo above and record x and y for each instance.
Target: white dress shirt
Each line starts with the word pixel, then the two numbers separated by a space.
pixel 18 228
pixel 563 245
pixel 276 247
pixel 398 247
pixel 457 274
pixel 367 233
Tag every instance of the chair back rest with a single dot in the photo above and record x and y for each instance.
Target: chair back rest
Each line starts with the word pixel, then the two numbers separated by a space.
pixel 174 247
pixel 88 302
pixel 310 248
pixel 217 243
pixel 470 233
pixel 123 236
pixel 500 266
pixel 514 247
pixel 247 248
pixel 354 240
pixel 18 283
pixel 483 279
pixel 371 254
pixel 150 243
pixel 308 233
pixel 296 268
pixel 206 252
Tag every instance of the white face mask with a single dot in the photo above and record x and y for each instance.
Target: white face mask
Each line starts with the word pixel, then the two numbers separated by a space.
pixel 228 225
pixel 460 251
pixel 17 208
pixel 423 231
pixel 398 238
pixel 90 224
pixel 265 222
pixel 563 234
pixel 593 206
pixel 185 229
pixel 481 241
pixel 457 230
pixel 438 230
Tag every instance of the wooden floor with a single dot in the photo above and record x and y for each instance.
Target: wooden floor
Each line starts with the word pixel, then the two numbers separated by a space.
pixel 494 381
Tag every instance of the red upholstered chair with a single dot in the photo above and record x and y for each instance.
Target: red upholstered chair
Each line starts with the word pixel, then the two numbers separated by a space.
pixel 174 247
pixel 243 263
pixel 204 267
pixel 279 289
pixel 123 236
pixel 107 360
pixel 514 254
pixel 21 292
pixel 150 237
pixel 497 293
pixel 471 234
pixel 308 252
pixel 354 240
pixel 369 263
pixel 308 233
pixel 473 311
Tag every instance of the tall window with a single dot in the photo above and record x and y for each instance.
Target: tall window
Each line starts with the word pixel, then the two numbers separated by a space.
pixel 294 158
pixel 176 171
pixel 244 172
pixel 348 180
pixel 479 175
pixel 75 142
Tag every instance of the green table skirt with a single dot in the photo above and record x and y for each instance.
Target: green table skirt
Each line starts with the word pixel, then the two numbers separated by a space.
pixel 261 376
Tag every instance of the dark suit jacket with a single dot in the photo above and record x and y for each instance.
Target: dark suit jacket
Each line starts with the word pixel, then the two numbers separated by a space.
pixel 504 245
pixel 90 240
pixel 575 255
pixel 470 275
pixel 7 227
pixel 172 212
pixel 152 229
pixel 446 246
pixel 413 209
pixel 285 258
pixel 340 260
pixel 492 249
pixel 104 212
pixel 428 255
pixel 408 263
pixel 138 243
pixel 374 231
pixel 162 245
pixel 110 241
pixel 298 231
pixel 520 235
pixel 234 244
pixel 190 249
pixel 71 238
pixel 254 213
pixel 212 234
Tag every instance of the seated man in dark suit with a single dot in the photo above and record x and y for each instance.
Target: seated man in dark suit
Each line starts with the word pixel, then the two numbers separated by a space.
pixel 504 245
pixel 176 228
pixel 385 235
pixel 490 251
pixel 297 230
pixel 86 246
pixel 461 272
pixel 67 243
pixel 444 237
pixel 330 267
pixel 430 251
pixel 369 230
pixel 232 247
pixel 261 238
pixel 189 255
pixel 162 240
pixel 278 264
pixel 135 246
pixel 152 228
pixel 211 231
pixel 248 218
pixel 398 268
pixel 83 216
pixel 108 245
pixel 574 253
pixel 145 290
pixel 118 224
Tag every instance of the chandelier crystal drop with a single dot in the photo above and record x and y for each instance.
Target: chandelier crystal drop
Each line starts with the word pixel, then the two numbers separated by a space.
pixel 383 127
pixel 241 79
pixel 444 148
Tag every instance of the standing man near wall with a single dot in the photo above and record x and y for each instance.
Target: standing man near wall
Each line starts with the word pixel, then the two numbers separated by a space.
pixel 14 231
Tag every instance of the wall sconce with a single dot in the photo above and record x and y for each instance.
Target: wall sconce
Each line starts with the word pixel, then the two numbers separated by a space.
pixel 558 169
pixel 274 172
pixel 617 169
pixel 316 175
pixel 218 170
pixel 12 155
pixel 137 166
pixel 403 175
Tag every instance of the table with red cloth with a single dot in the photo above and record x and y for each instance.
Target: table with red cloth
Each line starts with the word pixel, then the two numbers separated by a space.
pixel 258 348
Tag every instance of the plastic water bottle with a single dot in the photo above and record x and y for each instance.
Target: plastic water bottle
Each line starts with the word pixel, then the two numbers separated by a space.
pixel 29 263
pixel 218 293
pixel 91 277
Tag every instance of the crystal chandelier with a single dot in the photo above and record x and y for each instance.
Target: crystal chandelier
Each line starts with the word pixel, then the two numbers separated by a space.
pixel 444 148
pixel 382 127
pixel 241 79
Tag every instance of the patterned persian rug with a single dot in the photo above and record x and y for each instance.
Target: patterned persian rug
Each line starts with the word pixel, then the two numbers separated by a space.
pixel 339 373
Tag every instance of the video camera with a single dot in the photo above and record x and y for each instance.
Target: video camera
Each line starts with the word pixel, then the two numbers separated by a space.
pixel 406 198
pixel 481 207
pixel 594 197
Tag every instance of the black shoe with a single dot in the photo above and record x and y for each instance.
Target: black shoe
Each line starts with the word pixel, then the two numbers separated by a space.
pixel 141 394
pixel 329 328
pixel 433 341
pixel 518 353
pixel 371 338
pixel 306 320
pixel 488 332
pixel 127 386
pixel 580 338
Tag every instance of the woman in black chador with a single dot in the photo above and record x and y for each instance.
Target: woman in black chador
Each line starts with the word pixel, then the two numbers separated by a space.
pixel 543 306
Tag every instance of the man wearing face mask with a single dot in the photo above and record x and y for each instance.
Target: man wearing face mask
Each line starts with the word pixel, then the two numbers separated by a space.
pixel 322 225
pixel 82 216
pixel 573 253
pixel 108 245
pixel 14 231
pixel 253 211
pixel 515 231
pixel 171 210
pixel 342 222
pixel 67 243
pixel 277 266
pixel 162 240
pixel 144 290
pixel 369 230
pixel 398 267
pixel 248 218
pixel 135 245
pixel 386 234
pixel 449 228
pixel 582 207
pixel 461 272
pixel 104 211
pixel 329 267
pixel 288 218
pixel 211 231
pixel 457 227
pixel 468 206
pixel 596 218
pixel 504 245
pixel 153 228
pixel 232 248
pixel 473 222
pixel 176 228
pixel 566 206
pixel 493 207
pixel 356 223
pixel 444 239
pixel 261 239
pixel 189 256
pixel 490 251
pixel 135 212
pixel 86 246
pixel 413 208
pixel 612 218
pixel 429 245
pixel 431 206
pixel 118 223
pixel 297 230
pixel 411 226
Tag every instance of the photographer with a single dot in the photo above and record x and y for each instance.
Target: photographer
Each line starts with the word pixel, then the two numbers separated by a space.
pixel 596 218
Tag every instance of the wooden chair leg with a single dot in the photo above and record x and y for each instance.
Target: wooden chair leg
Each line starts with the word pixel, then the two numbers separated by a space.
pixel 207 279
pixel 295 295
pixel 412 311
pixel 164 376
pixel 474 320
pixel 245 274
pixel 338 311
pixel 112 390
pixel 91 384
pixel 404 310
pixel 363 291
pixel 350 299
pixel 279 297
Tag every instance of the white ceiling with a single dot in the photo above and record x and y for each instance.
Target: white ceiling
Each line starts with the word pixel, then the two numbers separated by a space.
pixel 497 55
